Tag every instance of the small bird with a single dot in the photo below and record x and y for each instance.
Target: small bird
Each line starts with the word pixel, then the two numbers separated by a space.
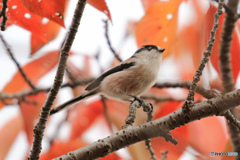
pixel 126 81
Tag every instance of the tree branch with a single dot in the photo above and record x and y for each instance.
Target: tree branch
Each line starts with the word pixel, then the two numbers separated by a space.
pixel 225 45
pixel 158 98
pixel 206 93
pixel 199 89
pixel 226 69
pixel 156 128
pixel 206 55
pixel 17 64
pixel 39 128
pixel 34 92
pixel 4 14
pixel 109 42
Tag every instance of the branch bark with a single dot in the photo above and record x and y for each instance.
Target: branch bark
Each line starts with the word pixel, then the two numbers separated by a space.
pixel 40 126
pixel 226 69
pixel 3 13
pixel 206 55
pixel 156 128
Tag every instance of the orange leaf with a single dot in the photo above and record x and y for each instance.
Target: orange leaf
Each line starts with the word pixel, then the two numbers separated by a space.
pixel 8 134
pixel 52 9
pixel 228 148
pixel 60 148
pixel 208 131
pixel 50 30
pixel 84 117
pixel 19 15
pixel 85 72
pixel 181 134
pixel 101 6
pixel 31 111
pixel 159 25
pixel 235 46
pixel 34 71
pixel 147 3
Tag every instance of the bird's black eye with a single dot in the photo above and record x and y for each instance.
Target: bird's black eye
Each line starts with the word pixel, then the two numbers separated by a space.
pixel 149 48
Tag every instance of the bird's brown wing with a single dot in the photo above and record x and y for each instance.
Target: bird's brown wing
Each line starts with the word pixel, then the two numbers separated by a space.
pixel 115 69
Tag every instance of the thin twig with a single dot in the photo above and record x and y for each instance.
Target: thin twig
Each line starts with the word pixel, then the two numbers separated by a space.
pixel 109 42
pixel 57 130
pixel 106 113
pixel 34 92
pixel 158 98
pixel 17 64
pixel 147 107
pixel 164 155
pixel 150 149
pixel 39 128
pixel 190 98
pixel 186 84
pixel 70 76
pixel 148 141
pixel 4 14
pixel 232 119
pixel 131 114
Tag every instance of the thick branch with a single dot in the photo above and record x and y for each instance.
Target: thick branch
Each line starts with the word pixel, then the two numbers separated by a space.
pixel 39 128
pixel 225 66
pixel 156 128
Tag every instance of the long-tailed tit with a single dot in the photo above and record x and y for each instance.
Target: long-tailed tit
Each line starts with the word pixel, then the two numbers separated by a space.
pixel 126 81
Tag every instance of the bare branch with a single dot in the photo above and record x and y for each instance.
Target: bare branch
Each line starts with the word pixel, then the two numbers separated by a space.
pixel 109 42
pixel 164 155
pixel 158 98
pixel 232 119
pixel 4 14
pixel 106 113
pixel 4 96
pixel 225 45
pixel 148 141
pixel 155 128
pixel 226 69
pixel 206 93
pixel 39 128
pixel 206 55
pixel 199 89
pixel 150 149
pixel 131 114
pixel 17 64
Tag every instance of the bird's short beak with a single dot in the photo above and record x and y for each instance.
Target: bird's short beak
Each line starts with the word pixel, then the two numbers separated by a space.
pixel 161 50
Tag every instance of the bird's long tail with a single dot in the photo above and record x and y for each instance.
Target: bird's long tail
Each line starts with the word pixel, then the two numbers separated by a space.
pixel 73 101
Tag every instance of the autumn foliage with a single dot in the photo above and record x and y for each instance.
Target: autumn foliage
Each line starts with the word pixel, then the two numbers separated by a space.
pixel 160 26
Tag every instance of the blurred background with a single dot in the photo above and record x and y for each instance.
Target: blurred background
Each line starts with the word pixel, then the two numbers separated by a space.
pixel 180 26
